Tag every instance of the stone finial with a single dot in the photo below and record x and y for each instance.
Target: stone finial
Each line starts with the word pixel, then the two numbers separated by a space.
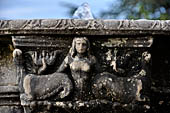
pixel 83 12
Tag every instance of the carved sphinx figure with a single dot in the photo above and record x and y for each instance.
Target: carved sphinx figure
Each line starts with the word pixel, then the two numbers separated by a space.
pixel 38 86
pixel 81 63
pixel 124 89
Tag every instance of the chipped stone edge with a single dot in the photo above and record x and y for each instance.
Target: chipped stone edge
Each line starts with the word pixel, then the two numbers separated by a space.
pixel 9 89
pixel 84 27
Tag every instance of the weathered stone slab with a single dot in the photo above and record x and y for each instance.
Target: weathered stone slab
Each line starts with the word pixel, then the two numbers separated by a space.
pixel 84 27
pixel 7 67
pixel 10 109
pixel 9 89
pixel 122 49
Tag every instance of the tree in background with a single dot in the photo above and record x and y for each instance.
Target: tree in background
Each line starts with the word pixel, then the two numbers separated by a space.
pixel 131 9
pixel 71 8
pixel 138 9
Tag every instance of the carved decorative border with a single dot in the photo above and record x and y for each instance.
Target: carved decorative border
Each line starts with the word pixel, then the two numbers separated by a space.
pixel 84 27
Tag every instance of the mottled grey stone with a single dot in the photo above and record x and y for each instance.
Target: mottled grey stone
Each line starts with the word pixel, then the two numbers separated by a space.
pixel 84 27
pixel 9 89
pixel 10 109
pixel 7 67
pixel 123 49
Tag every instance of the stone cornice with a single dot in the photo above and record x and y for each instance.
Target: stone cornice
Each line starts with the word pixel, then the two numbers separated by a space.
pixel 84 27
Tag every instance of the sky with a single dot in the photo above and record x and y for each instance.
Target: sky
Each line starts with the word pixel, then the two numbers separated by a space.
pixel 46 9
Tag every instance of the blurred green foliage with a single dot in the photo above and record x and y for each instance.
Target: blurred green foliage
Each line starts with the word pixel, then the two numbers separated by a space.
pixel 131 9
pixel 138 9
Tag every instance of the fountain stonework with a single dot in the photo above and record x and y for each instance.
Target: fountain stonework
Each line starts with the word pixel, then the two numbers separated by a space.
pixel 84 65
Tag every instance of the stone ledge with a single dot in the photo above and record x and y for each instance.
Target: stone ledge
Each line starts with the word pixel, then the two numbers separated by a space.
pixel 84 27
pixel 9 96
pixel 78 105
pixel 9 89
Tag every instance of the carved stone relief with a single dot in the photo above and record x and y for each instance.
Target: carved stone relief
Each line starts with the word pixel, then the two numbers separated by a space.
pixel 86 24
pixel 114 76
pixel 84 27
pixel 93 73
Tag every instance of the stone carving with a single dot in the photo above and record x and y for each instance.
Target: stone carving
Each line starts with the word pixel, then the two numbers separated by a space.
pixel 83 12
pixel 42 42
pixel 35 86
pixel 43 60
pixel 79 81
pixel 81 64
pixel 124 90
pixel 55 78
pixel 109 27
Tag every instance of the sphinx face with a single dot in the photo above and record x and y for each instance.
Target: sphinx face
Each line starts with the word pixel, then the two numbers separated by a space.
pixel 81 46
